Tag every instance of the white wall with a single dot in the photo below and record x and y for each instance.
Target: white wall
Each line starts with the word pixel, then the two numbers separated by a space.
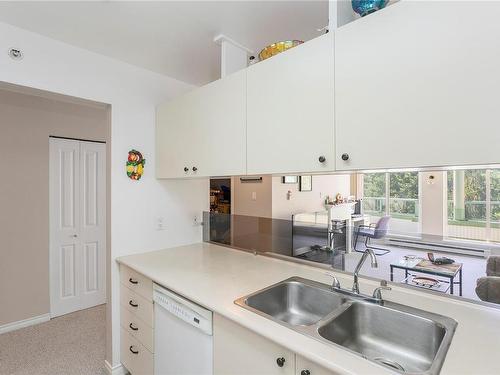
pixel 307 201
pixel 252 198
pixel 133 94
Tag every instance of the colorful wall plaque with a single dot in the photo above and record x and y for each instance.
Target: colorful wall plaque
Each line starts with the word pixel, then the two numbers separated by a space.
pixel 135 165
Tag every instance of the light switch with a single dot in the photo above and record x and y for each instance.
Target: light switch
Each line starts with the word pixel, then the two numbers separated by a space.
pixel 254 195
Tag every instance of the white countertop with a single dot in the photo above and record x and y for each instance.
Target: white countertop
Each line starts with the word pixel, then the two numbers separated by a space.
pixel 214 276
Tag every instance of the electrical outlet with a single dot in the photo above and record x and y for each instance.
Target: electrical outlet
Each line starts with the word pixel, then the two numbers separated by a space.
pixel 160 225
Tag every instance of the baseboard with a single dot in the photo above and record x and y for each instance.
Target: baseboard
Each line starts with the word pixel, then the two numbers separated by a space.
pixel 444 247
pixel 24 323
pixel 115 370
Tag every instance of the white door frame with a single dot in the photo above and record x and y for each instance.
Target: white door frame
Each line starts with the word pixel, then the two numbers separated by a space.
pixel 77 220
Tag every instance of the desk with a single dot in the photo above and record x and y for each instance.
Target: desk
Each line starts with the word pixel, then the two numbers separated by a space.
pixel 448 271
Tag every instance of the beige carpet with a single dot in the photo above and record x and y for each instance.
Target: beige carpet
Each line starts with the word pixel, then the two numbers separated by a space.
pixel 67 345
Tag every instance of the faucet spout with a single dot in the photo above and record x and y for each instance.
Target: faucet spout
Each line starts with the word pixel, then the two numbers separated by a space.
pixel 373 258
pixel 374 264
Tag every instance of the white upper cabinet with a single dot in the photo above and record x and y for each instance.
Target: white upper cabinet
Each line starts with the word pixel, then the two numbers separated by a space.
pixel 418 84
pixel 204 131
pixel 290 118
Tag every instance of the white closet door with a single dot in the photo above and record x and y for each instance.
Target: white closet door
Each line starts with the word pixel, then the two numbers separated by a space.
pixel 77 192
pixel 93 223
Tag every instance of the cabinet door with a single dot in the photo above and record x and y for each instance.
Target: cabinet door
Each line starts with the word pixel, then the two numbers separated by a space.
pixel 306 367
pixel 417 84
pixel 175 129
pixel 290 110
pixel 204 131
pixel 239 351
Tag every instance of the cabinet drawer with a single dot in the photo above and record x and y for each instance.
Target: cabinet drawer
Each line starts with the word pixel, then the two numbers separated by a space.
pixel 136 282
pixel 137 328
pixel 137 304
pixel 134 356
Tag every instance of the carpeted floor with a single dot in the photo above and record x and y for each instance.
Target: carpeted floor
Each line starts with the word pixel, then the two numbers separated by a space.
pixel 73 344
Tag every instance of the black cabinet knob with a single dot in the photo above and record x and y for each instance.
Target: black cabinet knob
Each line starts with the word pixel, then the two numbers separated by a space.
pixel 280 361
pixel 305 372
pixel 195 169
pixel 345 157
pixel 322 159
pixel 186 169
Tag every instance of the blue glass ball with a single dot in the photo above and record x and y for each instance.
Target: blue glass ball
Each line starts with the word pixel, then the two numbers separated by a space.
pixel 364 7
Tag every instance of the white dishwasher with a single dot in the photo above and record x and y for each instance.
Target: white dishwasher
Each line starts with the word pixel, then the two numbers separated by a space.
pixel 183 342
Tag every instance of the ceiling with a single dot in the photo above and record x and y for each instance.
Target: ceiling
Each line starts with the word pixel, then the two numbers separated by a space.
pixel 174 38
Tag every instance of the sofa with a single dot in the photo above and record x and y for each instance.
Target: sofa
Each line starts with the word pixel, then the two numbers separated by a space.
pixel 488 287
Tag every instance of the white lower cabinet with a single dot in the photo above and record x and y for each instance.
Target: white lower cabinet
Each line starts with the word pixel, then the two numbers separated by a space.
pixel 304 366
pixel 136 321
pixel 135 357
pixel 236 350
pixel 239 351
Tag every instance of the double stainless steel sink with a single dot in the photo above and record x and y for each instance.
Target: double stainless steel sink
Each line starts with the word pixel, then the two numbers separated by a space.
pixel 399 337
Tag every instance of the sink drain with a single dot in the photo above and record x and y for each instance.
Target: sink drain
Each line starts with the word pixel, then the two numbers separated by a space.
pixel 389 363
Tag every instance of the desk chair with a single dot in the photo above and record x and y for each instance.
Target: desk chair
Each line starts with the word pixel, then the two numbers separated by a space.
pixel 375 231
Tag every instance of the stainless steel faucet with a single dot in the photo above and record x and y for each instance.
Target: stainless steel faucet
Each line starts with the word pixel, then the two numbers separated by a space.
pixel 335 281
pixel 377 293
pixel 374 264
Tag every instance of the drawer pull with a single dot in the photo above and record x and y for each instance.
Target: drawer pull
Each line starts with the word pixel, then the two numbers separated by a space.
pixel 131 303
pixel 132 281
pixel 132 350
pixel 305 372
pixel 280 361
pixel 132 327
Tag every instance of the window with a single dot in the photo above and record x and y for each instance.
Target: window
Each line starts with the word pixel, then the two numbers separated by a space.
pixel 403 195
pixel 495 197
pixel 374 197
pixel 396 195
pixel 474 204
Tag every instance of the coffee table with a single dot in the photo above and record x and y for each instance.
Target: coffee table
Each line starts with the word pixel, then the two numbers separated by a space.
pixel 448 271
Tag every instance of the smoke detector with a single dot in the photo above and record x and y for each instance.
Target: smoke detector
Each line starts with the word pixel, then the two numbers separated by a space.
pixel 16 54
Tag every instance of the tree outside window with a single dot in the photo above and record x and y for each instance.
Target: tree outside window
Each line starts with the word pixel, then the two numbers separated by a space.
pixel 467 196
pixel 403 195
pixel 394 194
pixel 474 204
pixel 495 197
pixel 374 197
